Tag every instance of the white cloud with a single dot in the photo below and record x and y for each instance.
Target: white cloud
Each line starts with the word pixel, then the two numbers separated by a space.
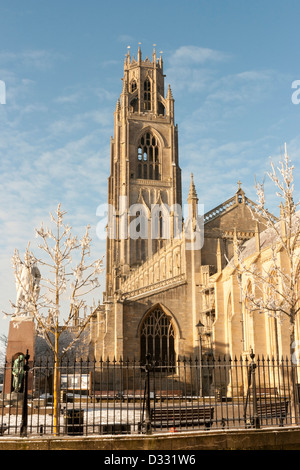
pixel 193 68
pixel 37 58
pixel 222 165
pixel 34 179
pixel 105 95
pixel 125 38
pixel 196 55
pixel 70 98
pixel 108 63
pixel 244 87
pixel 64 159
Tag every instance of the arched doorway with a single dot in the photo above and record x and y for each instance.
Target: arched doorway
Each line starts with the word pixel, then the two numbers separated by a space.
pixel 157 338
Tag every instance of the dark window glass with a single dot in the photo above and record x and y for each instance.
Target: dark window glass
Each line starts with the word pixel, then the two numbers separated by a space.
pixel 148 152
pixel 157 339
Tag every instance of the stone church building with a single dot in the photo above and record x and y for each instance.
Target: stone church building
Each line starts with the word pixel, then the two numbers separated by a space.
pixel 164 294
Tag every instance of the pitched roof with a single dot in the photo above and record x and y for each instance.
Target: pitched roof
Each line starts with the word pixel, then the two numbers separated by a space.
pixel 227 206
pixel 267 238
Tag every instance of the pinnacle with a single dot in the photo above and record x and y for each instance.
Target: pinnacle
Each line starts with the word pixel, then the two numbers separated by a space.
pixel 169 95
pixel 192 191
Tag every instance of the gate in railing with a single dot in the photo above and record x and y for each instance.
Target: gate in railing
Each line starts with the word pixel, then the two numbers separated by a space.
pixel 115 397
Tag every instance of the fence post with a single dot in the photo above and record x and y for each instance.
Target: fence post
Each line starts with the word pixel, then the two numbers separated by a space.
pixel 23 429
pixel 148 369
pixel 255 414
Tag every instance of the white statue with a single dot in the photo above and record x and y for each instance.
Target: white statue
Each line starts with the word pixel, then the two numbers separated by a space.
pixel 28 286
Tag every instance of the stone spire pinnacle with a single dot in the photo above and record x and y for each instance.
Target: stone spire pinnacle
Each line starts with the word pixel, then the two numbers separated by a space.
pixel 169 94
pixel 192 191
pixel 154 54
pixel 193 200
pixel 139 55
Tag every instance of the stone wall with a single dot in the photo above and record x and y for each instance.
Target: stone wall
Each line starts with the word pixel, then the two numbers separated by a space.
pixel 269 439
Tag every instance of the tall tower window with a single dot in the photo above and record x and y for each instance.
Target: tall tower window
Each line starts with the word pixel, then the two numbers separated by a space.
pixel 147 95
pixel 148 154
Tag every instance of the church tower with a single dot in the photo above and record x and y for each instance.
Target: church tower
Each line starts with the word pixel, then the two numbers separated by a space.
pixel 144 169
pixel 169 291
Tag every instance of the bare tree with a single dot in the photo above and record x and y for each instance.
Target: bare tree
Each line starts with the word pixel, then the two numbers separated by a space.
pixel 276 286
pixel 275 283
pixel 3 346
pixel 55 297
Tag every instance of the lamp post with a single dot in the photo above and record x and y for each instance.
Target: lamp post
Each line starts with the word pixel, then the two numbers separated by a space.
pixel 252 372
pixel 200 328
pixel 23 430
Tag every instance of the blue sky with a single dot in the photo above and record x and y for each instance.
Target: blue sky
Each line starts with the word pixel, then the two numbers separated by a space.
pixel 230 63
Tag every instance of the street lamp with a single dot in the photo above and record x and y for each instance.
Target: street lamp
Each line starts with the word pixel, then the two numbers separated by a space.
pixel 200 328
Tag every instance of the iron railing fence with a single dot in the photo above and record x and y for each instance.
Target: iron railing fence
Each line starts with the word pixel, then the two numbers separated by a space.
pixel 114 397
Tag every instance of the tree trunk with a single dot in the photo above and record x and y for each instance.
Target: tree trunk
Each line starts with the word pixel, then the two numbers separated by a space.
pixel 56 389
pixel 293 375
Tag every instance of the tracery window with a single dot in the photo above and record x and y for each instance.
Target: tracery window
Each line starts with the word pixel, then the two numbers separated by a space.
pixel 157 338
pixel 148 157
pixel 147 95
pixel 133 86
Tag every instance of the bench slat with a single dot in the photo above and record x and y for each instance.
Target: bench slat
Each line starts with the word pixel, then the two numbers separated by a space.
pixel 163 417
pixel 274 409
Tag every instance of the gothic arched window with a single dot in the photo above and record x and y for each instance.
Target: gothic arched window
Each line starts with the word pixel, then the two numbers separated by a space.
pixel 148 153
pixel 147 95
pixel 133 86
pixel 158 338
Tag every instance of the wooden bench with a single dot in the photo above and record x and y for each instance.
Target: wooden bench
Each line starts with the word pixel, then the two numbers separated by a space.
pixel 262 391
pixel 164 417
pixel 168 394
pixel 132 395
pixel 273 410
pixel 99 395
pixel 266 392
